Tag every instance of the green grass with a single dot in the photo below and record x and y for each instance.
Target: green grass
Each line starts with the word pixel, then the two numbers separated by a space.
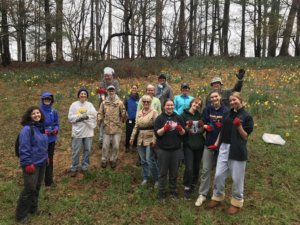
pixel 115 197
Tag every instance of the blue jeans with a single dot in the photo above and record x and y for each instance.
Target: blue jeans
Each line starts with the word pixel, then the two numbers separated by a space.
pixel 148 162
pixel 76 145
pixel 28 199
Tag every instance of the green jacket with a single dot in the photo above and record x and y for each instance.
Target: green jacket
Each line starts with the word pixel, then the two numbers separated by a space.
pixel 193 137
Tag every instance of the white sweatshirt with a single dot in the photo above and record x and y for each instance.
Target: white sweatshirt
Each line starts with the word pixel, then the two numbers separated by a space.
pixel 84 128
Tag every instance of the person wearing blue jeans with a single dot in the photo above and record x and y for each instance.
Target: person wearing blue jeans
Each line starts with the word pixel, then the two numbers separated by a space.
pixel 82 116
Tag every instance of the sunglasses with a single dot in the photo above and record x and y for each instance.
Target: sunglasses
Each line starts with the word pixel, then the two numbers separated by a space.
pixel 146 101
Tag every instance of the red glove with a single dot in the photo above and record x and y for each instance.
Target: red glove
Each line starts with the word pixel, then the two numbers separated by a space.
pixel 218 124
pixel 212 147
pixel 179 128
pixel 200 123
pixel 101 91
pixel 208 128
pixel 29 168
pixel 167 127
pixel 189 123
pixel 237 122
pixel 47 132
pixel 54 131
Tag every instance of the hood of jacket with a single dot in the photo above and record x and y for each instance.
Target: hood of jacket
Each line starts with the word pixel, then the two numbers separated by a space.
pixel 43 106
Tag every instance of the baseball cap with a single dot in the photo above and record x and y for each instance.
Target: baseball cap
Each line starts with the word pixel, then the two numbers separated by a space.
pixel 216 79
pixel 184 86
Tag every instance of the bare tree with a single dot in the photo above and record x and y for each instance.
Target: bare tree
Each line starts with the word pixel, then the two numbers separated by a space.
pixel 59 31
pixel 48 27
pixel 181 47
pixel 225 27
pixel 213 33
pixel 273 27
pixel 297 41
pixel 242 48
pixel 5 52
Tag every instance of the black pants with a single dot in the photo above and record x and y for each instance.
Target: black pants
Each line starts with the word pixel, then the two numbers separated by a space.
pixel 168 165
pixel 129 128
pixel 192 159
pixel 49 167
pixel 28 199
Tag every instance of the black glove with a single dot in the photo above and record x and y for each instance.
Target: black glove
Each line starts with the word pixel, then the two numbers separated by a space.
pixel 241 74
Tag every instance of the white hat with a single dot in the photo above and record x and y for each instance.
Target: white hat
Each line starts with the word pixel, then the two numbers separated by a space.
pixel 216 80
pixel 109 70
pixel 111 87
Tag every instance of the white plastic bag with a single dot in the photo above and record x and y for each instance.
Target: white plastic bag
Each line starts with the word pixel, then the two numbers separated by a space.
pixel 273 139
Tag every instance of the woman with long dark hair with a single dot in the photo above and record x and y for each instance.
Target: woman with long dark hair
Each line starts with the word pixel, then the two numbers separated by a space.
pixel 33 152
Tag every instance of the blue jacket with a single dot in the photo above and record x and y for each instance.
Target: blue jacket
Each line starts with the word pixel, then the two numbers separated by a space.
pixel 33 148
pixel 211 116
pixel 51 117
pixel 131 104
pixel 181 102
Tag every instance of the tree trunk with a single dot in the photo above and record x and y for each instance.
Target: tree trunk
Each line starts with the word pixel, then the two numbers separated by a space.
pixel 205 29
pixel 225 27
pixel 144 28
pixel 273 27
pixel 213 33
pixel 181 47
pixel 242 49
pixel 49 56
pixel 284 50
pixel 158 28
pixel 59 31
pixel 257 29
pixel 6 59
pixel 297 43
pixel 265 29
pixel 126 29
pixel 191 29
pixel 109 28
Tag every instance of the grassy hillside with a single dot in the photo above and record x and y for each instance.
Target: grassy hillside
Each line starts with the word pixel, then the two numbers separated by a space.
pixel 103 196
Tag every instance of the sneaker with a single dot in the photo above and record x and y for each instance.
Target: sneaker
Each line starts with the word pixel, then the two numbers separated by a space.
pixel 187 194
pixel 156 185
pixel 73 173
pixel 103 164
pixel 144 182
pixel 200 200
pixel 174 195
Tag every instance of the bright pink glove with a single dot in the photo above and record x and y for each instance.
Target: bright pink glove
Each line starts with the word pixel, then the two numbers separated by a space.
pixel 218 124
pixel 54 131
pixel 29 168
pixel 237 122
pixel 101 91
pixel 167 127
pixel 212 147
pixel 179 128
pixel 47 132
pixel 200 123
pixel 208 128
pixel 189 123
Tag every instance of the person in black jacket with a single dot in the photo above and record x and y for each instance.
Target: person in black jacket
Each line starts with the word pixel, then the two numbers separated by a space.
pixel 168 129
pixel 237 126
pixel 193 145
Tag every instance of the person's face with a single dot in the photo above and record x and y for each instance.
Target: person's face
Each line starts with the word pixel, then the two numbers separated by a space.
pixel 161 81
pixel 111 92
pixel 146 104
pixel 215 98
pixel 169 107
pixel 36 115
pixel 107 76
pixel 196 105
pixel 82 96
pixel 134 89
pixel 185 91
pixel 47 101
pixel 150 91
pixel 234 102
pixel 216 86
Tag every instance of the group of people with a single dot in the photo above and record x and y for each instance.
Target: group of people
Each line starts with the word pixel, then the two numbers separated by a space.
pixel 165 129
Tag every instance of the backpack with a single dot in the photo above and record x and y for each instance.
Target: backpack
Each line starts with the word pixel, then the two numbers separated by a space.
pixel 17 144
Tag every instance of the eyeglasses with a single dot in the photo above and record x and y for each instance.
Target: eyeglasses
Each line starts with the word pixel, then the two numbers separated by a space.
pixel 146 101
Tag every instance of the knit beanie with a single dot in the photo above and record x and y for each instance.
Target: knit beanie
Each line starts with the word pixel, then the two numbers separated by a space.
pixel 83 89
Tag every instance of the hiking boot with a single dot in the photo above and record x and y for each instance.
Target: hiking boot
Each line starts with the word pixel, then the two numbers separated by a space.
pixel 73 173
pixel 232 210
pixel 200 200
pixel 113 164
pixel 213 204
pixel 103 164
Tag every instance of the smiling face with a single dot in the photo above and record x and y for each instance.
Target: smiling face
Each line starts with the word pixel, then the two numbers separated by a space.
pixel 107 77
pixel 36 115
pixel 196 105
pixel 47 100
pixel 235 102
pixel 215 98
pixel 134 89
pixel 216 85
pixel 82 96
pixel 185 91
pixel 161 81
pixel 150 91
pixel 169 107
pixel 111 92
